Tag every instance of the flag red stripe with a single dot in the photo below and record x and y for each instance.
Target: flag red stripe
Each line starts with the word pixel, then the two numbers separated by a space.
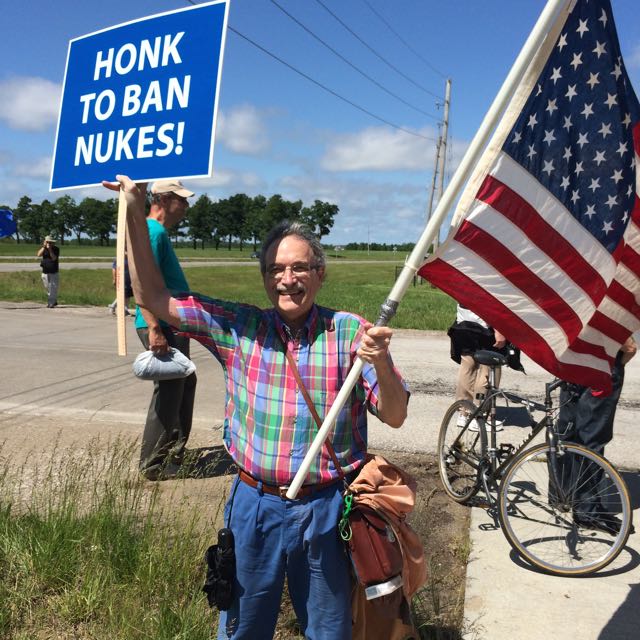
pixel 624 298
pixel 588 348
pixel 631 260
pixel 501 198
pixel 467 292
pixel 609 327
pixel 512 269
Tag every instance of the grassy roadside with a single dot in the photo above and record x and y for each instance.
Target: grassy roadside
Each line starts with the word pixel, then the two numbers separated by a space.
pixel 359 288
pixel 9 249
pixel 88 551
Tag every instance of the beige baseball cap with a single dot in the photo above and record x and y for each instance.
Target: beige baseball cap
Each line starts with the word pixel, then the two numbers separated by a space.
pixel 171 186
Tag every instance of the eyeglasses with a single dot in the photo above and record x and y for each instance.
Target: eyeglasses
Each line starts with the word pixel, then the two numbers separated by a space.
pixel 299 270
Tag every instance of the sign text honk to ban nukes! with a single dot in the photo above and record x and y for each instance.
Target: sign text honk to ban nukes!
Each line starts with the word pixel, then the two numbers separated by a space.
pixel 141 99
pixel 142 142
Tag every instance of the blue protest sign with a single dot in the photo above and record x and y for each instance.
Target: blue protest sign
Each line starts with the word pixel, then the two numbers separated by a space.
pixel 7 223
pixel 141 99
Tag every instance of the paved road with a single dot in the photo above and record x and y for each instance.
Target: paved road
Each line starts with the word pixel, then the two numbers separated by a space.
pixel 61 371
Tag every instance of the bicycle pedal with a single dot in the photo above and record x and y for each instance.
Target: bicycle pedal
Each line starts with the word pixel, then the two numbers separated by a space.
pixel 505 449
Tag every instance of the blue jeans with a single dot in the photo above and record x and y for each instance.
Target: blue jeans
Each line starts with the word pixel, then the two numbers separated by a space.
pixel 275 537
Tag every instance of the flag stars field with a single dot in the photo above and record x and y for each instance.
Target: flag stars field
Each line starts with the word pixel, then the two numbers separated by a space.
pixel 587 75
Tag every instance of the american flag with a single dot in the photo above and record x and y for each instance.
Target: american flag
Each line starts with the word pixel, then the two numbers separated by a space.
pixel 548 250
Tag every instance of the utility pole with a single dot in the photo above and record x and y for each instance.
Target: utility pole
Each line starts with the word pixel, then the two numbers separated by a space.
pixel 433 178
pixel 441 148
pixel 442 152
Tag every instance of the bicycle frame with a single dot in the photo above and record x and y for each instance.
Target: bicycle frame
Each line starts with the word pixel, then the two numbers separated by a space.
pixel 490 449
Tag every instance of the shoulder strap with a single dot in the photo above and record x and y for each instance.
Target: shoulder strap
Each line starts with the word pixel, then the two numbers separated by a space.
pixel 312 408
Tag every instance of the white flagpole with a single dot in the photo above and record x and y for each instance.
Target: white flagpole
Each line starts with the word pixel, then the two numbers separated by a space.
pixel 547 18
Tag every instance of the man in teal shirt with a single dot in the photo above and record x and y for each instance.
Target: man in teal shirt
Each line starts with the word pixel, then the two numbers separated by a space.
pixel 170 413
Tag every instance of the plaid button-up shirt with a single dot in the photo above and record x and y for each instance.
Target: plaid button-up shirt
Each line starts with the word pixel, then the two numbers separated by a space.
pixel 268 427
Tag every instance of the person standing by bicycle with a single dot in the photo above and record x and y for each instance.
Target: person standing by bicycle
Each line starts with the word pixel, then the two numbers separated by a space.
pixel 470 333
pixel 586 417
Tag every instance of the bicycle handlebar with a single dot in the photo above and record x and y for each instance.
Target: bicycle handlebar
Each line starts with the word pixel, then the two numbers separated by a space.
pixel 550 387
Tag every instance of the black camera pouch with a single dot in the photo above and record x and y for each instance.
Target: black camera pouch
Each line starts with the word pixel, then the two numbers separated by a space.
pixel 221 571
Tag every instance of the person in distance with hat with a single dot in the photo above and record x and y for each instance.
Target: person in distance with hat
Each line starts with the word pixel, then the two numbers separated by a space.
pixel 168 423
pixel 49 254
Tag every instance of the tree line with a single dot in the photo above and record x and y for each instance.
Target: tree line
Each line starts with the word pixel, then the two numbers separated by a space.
pixel 238 219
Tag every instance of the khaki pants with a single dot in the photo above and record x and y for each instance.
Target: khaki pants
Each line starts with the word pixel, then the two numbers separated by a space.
pixel 473 379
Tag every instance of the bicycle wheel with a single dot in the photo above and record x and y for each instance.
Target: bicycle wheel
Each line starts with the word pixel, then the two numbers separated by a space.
pixel 570 536
pixel 459 452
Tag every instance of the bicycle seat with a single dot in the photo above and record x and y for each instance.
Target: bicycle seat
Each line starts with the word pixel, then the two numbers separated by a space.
pixel 490 358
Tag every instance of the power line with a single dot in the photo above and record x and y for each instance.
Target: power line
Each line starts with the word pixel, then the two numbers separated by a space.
pixel 406 44
pixel 353 66
pixel 322 86
pixel 389 64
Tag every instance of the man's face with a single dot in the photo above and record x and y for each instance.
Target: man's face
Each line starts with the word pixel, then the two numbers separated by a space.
pixel 292 280
pixel 175 208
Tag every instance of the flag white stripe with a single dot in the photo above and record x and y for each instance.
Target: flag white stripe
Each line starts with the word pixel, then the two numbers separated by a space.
pixel 536 260
pixel 484 275
pixel 468 262
pixel 586 360
pixel 554 213
pixel 629 280
pixel 615 312
pixel 596 337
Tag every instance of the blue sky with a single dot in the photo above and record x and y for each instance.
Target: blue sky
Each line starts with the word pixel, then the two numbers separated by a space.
pixel 278 132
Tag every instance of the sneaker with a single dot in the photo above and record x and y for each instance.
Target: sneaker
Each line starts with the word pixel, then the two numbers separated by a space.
pixel 474 426
pixel 462 419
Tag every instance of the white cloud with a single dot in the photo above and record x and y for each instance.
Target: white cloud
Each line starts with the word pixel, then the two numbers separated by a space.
pixel 380 149
pixel 29 103
pixel 383 211
pixel 226 182
pixel 37 168
pixel 243 130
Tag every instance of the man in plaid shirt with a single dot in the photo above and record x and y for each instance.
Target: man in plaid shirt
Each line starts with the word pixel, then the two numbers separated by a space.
pixel 269 428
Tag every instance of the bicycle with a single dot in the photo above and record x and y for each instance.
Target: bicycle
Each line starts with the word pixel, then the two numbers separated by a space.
pixel 558 502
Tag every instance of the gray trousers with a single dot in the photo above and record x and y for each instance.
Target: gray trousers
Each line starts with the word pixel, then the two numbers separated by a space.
pixel 170 414
pixel 50 282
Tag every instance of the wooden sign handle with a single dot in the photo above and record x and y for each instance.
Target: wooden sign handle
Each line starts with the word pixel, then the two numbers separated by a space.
pixel 120 279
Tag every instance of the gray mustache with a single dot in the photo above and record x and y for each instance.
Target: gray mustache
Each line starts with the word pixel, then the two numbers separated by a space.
pixel 297 289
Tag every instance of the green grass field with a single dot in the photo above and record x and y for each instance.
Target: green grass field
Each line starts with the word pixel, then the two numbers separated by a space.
pixel 71 250
pixel 360 288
